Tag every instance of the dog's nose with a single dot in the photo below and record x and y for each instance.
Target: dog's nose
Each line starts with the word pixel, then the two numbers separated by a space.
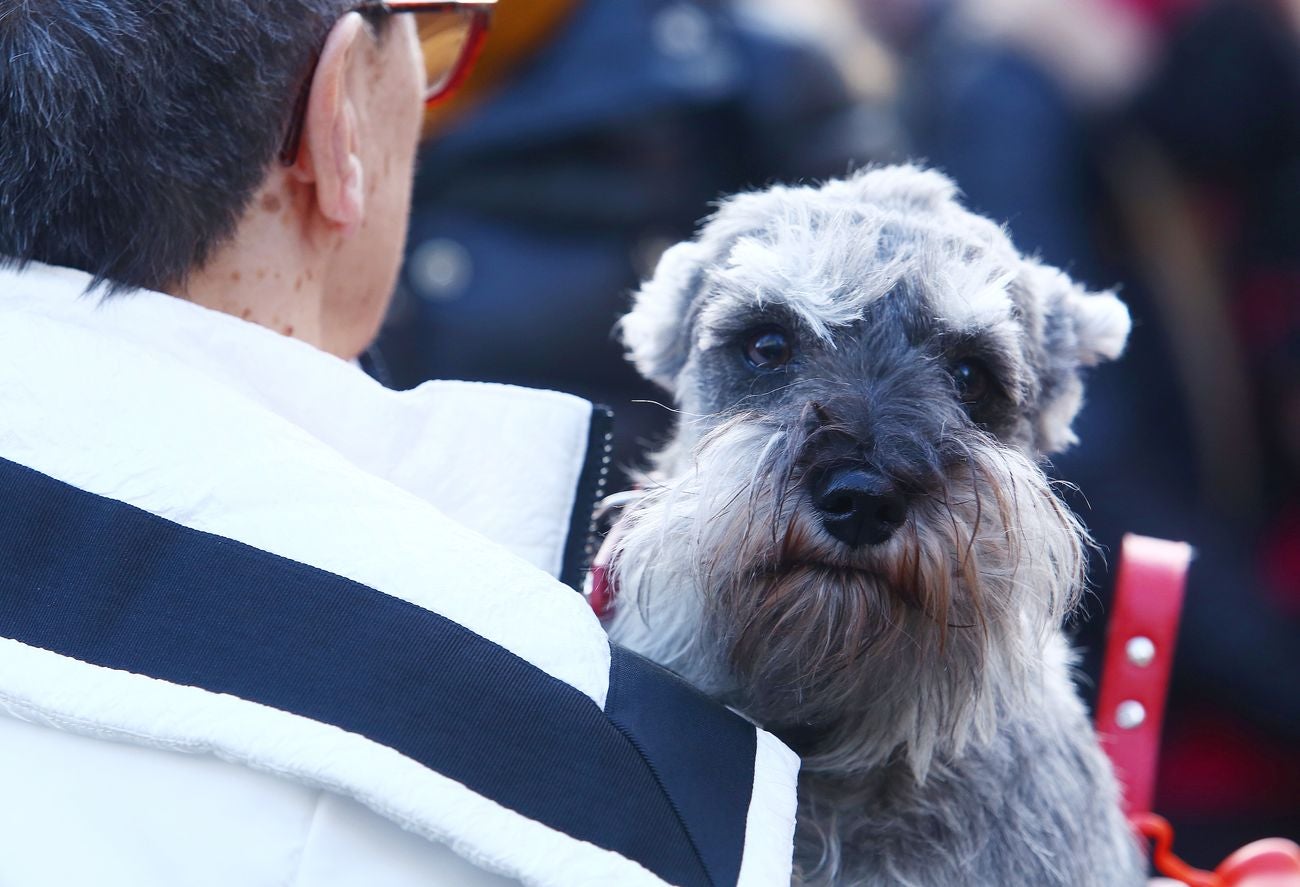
pixel 858 507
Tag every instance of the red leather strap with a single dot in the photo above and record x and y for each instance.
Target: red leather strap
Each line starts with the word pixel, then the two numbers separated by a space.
pixel 602 587
pixel 1139 654
pixel 602 590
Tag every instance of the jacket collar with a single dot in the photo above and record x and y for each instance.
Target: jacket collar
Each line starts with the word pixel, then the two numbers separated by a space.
pixel 501 460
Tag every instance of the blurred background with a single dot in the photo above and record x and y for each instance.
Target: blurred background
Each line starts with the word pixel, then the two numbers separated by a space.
pixel 1152 145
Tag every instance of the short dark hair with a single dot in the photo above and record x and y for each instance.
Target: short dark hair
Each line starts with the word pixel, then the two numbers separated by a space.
pixel 134 133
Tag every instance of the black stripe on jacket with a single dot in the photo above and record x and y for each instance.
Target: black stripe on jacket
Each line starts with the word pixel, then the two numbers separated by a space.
pixel 663 776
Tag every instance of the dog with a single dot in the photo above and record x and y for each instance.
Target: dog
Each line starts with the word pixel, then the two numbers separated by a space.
pixel 850 538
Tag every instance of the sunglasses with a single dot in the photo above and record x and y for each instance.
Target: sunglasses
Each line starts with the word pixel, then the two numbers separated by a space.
pixel 451 34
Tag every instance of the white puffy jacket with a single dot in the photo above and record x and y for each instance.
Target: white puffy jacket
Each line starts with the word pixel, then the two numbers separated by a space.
pixel 264 622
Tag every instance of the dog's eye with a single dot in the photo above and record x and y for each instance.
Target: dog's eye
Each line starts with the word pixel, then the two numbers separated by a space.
pixel 974 381
pixel 768 348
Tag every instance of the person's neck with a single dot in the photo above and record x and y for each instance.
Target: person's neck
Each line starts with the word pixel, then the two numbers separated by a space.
pixel 272 273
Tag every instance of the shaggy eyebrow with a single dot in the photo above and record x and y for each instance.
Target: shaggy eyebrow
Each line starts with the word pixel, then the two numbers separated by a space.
pixel 725 329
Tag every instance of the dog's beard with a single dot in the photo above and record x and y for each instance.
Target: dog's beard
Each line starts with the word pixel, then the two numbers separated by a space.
pixel 900 651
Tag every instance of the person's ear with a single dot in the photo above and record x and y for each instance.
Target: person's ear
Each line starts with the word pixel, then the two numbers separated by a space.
pixel 330 157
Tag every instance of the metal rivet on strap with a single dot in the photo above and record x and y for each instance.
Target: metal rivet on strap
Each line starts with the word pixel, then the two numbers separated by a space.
pixel 1130 714
pixel 1141 651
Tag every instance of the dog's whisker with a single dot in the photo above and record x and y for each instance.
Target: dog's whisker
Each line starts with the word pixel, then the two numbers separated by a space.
pixel 664 406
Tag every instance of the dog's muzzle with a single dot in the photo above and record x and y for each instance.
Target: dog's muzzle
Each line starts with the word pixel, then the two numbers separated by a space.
pixel 857 506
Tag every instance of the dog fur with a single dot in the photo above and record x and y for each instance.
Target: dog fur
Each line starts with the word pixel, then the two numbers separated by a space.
pixel 923 677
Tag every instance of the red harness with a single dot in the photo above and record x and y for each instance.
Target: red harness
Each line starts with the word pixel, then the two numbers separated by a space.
pixel 602 589
pixel 1131 705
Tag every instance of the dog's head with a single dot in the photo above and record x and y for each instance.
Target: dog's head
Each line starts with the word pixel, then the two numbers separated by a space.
pixel 850 536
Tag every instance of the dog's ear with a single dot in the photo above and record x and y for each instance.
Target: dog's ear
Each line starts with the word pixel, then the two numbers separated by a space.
pixel 656 332
pixel 1079 329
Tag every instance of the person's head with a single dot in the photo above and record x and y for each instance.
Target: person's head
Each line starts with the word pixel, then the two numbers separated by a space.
pixel 141 141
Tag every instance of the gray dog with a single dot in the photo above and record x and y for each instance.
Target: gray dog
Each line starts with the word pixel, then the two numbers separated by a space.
pixel 850 538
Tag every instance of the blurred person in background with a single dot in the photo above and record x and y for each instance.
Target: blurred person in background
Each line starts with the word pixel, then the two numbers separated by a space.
pixel 596 133
pixel 1154 143
pixel 1205 181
